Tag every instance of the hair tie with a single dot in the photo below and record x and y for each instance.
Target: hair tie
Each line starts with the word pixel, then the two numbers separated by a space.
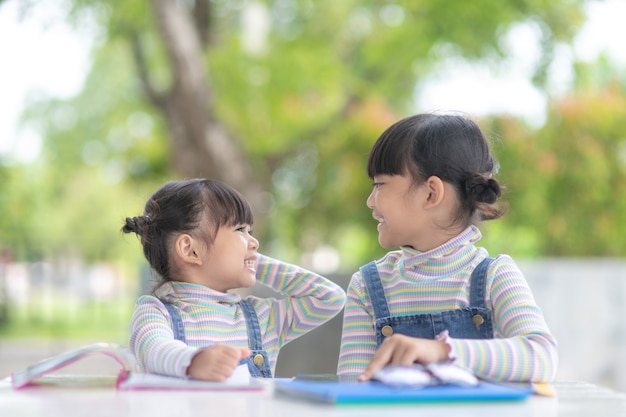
pixel 147 219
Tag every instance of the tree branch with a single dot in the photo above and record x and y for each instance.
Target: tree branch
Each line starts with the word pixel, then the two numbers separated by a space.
pixel 203 145
pixel 185 51
pixel 202 19
pixel 139 57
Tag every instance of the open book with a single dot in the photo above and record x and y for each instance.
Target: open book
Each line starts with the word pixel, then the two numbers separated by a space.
pixel 128 376
pixel 239 381
pixel 34 373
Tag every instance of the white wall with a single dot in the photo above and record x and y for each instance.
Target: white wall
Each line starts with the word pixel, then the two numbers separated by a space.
pixel 583 303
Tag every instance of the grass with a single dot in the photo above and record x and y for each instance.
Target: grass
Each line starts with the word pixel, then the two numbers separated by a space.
pixel 56 319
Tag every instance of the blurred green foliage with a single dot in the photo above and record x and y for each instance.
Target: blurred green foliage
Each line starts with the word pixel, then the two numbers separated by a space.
pixel 567 180
pixel 331 76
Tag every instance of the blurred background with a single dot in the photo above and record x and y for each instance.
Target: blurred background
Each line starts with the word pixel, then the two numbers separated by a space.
pixel 101 102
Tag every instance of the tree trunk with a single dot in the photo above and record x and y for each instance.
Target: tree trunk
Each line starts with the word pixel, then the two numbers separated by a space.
pixel 202 146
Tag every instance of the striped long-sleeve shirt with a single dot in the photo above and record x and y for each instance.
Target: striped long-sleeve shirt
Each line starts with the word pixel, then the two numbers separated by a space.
pixel 211 317
pixel 523 349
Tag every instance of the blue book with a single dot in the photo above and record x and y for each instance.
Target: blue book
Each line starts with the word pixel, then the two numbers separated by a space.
pixel 342 392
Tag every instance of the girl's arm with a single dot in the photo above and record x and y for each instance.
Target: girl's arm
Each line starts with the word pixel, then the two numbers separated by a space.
pixel 523 348
pixel 152 340
pixel 311 299
pixel 358 337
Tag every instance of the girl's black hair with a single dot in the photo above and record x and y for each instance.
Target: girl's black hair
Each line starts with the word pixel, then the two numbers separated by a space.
pixel 180 207
pixel 447 146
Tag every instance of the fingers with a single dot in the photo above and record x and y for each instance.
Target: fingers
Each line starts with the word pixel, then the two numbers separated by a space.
pixel 405 353
pixel 396 350
pixel 382 357
pixel 216 363
pixel 245 352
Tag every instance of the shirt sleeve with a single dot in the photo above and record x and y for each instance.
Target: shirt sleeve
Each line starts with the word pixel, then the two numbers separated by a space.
pixel 152 340
pixel 358 336
pixel 310 300
pixel 523 348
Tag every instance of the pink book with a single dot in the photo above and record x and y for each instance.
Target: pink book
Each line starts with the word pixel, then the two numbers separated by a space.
pixel 128 378
pixel 122 355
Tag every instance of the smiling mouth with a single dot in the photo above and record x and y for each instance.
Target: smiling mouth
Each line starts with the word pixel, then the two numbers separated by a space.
pixel 250 264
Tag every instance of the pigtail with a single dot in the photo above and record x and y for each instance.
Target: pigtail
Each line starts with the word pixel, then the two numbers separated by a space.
pixel 482 190
pixel 138 225
pixel 482 194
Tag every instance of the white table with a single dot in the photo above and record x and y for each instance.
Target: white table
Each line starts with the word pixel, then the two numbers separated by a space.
pixel 573 399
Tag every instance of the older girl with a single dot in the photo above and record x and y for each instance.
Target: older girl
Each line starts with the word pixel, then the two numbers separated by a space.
pixel 440 297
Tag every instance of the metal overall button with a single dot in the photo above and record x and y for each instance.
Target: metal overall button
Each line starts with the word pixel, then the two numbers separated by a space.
pixel 387 331
pixel 258 359
pixel 478 320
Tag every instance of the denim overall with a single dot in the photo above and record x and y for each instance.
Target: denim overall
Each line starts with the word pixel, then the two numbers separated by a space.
pixel 473 322
pixel 258 363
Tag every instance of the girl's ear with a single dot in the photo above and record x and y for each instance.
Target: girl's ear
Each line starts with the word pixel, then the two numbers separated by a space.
pixel 188 249
pixel 435 191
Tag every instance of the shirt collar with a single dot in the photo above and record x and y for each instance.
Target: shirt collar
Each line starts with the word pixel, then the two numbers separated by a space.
pixel 452 254
pixel 194 294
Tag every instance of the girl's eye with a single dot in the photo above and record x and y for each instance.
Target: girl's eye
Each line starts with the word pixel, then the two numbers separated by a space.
pixel 243 229
pixel 377 184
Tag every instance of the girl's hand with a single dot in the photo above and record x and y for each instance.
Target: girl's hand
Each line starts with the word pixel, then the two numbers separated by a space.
pixel 216 363
pixel 399 349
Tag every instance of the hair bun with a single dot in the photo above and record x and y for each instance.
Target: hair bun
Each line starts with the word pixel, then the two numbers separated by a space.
pixel 130 225
pixel 483 190
pixel 136 224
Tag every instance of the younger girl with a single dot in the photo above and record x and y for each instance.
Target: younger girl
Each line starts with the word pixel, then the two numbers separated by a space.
pixel 440 297
pixel 196 234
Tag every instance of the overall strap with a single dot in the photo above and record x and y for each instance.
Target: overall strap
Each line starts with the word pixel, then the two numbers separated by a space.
pixel 258 363
pixel 252 322
pixel 177 322
pixel 478 283
pixel 375 289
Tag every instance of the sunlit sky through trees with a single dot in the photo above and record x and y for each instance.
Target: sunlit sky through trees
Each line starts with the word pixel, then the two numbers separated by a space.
pixel 40 54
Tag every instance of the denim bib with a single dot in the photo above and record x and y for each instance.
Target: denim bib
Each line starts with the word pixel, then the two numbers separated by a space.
pixel 473 322
pixel 257 362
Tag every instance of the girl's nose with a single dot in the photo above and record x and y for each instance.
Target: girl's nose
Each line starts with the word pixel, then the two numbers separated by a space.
pixel 370 200
pixel 253 243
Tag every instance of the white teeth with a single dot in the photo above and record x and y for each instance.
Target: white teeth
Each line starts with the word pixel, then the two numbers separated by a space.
pixel 249 263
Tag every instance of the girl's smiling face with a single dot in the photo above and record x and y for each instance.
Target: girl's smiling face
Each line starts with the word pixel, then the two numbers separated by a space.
pixel 230 262
pixel 397 207
pixel 421 216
